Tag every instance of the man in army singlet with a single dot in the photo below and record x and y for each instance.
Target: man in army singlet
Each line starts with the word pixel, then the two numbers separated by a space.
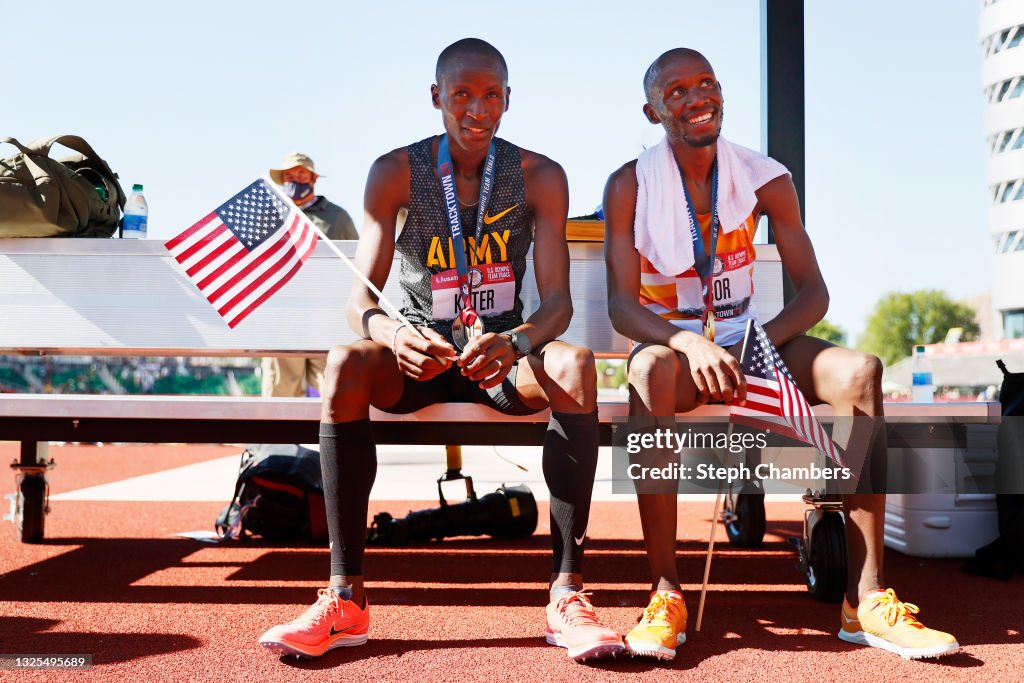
pixel 461 209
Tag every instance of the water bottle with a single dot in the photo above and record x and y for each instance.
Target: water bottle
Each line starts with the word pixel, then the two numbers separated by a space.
pixel 136 213
pixel 921 369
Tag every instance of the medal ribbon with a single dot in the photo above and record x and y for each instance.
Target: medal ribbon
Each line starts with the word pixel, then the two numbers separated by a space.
pixel 446 174
pixel 703 262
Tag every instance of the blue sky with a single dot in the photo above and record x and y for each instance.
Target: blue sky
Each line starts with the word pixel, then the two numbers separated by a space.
pixel 196 99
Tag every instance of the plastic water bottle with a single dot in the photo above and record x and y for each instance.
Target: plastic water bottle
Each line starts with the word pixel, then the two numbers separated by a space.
pixel 136 213
pixel 921 369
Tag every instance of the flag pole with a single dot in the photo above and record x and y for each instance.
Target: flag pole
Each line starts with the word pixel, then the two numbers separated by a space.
pixel 718 500
pixel 707 561
pixel 711 543
pixel 389 307
pixel 714 512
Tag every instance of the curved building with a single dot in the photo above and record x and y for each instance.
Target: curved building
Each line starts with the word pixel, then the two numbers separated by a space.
pixel 1002 71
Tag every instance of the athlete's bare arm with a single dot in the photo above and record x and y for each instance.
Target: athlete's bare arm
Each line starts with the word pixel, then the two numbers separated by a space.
pixel 714 370
pixel 628 317
pixel 547 196
pixel 778 200
pixel 387 192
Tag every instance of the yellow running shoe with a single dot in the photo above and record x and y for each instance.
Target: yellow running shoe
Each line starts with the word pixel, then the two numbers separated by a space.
pixel 662 628
pixel 881 620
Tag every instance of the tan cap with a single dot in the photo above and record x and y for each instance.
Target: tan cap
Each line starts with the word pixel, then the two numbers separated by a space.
pixel 292 160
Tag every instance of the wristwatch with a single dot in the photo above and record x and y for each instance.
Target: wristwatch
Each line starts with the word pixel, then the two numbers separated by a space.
pixel 520 343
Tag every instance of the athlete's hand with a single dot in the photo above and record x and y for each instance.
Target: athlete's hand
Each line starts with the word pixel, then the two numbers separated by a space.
pixel 487 359
pixel 716 372
pixel 423 358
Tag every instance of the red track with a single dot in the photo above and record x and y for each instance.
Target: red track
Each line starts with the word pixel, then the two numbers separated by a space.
pixel 111 581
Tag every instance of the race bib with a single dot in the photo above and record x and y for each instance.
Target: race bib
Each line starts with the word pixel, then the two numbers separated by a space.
pixel 493 290
pixel 731 285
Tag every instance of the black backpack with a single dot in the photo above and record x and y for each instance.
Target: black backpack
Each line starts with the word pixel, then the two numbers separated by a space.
pixel 278 495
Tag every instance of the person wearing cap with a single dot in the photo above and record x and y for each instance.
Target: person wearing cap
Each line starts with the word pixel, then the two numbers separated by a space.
pixel 289 376
pixel 298 176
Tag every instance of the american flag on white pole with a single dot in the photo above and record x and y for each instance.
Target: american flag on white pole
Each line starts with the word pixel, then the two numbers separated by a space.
pixel 772 394
pixel 245 250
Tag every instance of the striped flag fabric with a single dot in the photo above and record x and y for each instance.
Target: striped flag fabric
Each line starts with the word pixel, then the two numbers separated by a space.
pixel 774 401
pixel 245 250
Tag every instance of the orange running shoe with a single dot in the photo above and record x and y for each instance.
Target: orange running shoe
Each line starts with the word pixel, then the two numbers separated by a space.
pixel 573 624
pixel 881 620
pixel 331 622
pixel 662 628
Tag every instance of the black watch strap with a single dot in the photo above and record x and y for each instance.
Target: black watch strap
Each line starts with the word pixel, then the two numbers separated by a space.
pixel 512 338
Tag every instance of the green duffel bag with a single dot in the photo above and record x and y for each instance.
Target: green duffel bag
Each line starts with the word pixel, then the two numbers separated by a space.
pixel 77 196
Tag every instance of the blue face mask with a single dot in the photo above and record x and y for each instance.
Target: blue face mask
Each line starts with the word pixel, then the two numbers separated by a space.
pixel 298 190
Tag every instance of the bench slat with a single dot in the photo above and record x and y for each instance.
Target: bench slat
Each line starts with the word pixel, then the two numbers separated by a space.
pixel 71 406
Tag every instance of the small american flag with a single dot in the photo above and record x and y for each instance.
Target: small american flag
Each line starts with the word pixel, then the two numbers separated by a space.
pixel 247 249
pixel 772 394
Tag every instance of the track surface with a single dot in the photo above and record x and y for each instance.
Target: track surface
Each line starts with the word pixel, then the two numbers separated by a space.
pixel 111 580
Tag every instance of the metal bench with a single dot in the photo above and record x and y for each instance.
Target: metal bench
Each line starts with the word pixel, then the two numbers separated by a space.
pixel 129 298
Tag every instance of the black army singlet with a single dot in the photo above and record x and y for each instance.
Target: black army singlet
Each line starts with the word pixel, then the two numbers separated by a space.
pixel 495 254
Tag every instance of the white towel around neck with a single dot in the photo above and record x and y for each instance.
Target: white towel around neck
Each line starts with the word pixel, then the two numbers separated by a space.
pixel 661 232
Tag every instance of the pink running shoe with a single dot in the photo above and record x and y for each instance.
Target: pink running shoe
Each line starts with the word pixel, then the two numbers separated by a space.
pixel 331 622
pixel 573 624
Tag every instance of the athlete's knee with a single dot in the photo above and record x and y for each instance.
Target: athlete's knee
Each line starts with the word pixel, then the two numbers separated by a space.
pixel 573 370
pixel 347 372
pixel 651 367
pixel 861 379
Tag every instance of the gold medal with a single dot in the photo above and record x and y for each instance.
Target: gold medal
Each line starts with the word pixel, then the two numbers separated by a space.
pixel 709 325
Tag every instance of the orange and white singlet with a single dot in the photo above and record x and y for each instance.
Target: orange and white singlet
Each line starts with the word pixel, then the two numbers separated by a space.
pixel 677 298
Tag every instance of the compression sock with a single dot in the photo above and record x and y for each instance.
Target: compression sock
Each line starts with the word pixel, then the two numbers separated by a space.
pixel 570 461
pixel 557 592
pixel 348 460
pixel 343 592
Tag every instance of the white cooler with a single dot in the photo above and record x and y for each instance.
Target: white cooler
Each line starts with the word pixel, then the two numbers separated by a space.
pixel 953 524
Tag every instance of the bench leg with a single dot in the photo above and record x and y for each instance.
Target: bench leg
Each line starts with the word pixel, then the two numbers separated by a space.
pixel 453 458
pixel 453 472
pixel 30 500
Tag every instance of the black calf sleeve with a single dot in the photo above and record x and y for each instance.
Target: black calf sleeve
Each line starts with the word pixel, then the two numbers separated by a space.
pixel 570 461
pixel 348 458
